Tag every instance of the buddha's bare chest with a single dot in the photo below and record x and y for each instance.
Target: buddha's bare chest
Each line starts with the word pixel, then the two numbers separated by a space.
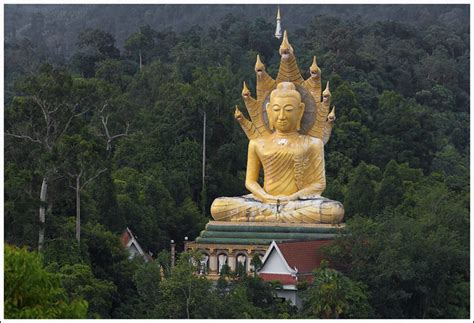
pixel 274 152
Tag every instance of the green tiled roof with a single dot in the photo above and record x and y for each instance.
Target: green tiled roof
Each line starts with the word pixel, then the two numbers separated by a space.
pixel 230 233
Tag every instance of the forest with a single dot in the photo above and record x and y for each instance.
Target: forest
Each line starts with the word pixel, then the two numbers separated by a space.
pixel 110 137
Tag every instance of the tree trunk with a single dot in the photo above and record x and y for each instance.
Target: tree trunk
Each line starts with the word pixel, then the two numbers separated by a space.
pixel 203 188
pixel 140 55
pixel 188 300
pixel 78 209
pixel 42 212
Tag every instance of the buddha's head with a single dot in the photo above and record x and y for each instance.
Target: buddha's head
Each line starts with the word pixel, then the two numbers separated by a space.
pixel 285 108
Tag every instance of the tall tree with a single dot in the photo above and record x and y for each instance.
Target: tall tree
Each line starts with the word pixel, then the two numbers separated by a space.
pixel 360 193
pixel 390 192
pixel 42 115
pixel 184 293
pixel 332 295
pixel 100 42
pixel 140 43
pixel 95 46
pixel 79 282
pixel 79 159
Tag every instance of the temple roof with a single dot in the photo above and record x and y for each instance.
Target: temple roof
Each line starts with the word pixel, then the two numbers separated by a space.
pixel 304 255
pixel 291 262
pixel 284 279
pixel 130 242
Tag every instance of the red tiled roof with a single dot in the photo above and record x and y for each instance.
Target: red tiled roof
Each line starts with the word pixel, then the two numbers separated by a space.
pixel 304 255
pixel 282 278
pixel 125 238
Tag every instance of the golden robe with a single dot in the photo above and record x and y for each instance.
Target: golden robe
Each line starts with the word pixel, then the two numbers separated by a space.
pixel 289 166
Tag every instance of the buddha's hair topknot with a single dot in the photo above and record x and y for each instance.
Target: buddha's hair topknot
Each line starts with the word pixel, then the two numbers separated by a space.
pixel 285 89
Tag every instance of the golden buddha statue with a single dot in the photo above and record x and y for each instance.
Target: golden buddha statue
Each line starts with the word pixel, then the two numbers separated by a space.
pixel 290 125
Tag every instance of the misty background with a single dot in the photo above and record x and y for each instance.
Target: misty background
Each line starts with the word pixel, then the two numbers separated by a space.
pixel 57 27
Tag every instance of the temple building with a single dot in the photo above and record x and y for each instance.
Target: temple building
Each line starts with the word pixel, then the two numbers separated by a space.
pixel 130 242
pixel 291 263
pixel 233 243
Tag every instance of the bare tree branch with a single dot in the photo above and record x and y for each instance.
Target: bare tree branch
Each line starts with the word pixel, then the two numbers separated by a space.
pixel 38 101
pixel 54 178
pixel 23 137
pixel 81 113
pixel 104 123
pixel 92 178
pixel 124 134
pixel 106 104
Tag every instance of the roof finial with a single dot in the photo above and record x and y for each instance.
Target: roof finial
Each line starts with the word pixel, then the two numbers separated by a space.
pixel 278 26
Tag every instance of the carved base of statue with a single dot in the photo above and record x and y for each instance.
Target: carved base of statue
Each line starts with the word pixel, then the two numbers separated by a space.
pixel 234 243
pixel 305 210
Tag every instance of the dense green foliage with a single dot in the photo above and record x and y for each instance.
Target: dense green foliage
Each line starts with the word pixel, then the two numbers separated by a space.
pixel 31 292
pixel 412 256
pixel 182 294
pixel 127 126
pixel 332 295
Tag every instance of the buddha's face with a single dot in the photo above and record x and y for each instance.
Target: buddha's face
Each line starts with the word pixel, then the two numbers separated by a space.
pixel 284 113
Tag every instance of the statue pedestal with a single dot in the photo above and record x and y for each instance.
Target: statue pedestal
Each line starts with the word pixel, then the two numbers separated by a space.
pixel 230 242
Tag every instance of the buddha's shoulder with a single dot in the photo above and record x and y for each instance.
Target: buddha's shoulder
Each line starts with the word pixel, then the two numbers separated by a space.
pixel 312 141
pixel 256 142
pixel 260 141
